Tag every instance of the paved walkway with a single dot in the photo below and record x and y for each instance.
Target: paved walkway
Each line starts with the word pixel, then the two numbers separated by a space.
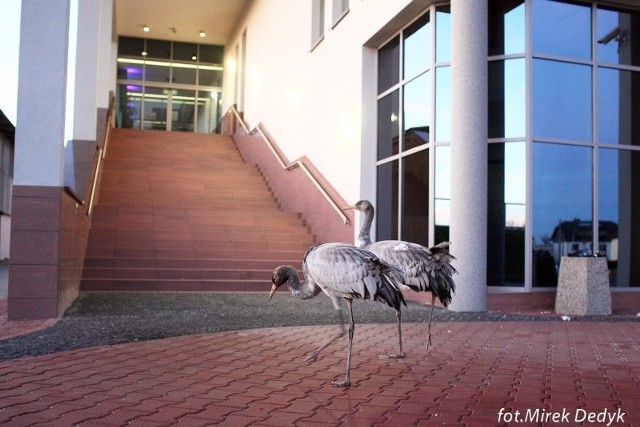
pixel 477 373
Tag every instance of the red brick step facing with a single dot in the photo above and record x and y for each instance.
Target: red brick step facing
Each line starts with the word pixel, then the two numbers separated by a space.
pixel 183 212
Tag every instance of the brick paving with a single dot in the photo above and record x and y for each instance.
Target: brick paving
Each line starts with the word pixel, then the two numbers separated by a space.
pixel 476 374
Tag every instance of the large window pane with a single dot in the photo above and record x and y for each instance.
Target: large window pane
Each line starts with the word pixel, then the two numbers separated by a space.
pixel 416 47
pixel 155 108
pixel 561 100
pixel 183 110
pixel 443 104
pixel 618 43
pixel 442 193
pixel 388 132
pixel 208 111
pixel 129 100
pixel 131 47
pixel 443 34
pixel 415 198
pixel 562 206
pixel 156 71
pixel 210 76
pixel 389 65
pixel 417 112
pixel 619 210
pixel 211 54
pixel 506 27
pixel 618 113
pixel 506 215
pixel 183 73
pixel 158 49
pixel 507 99
pixel 387 198
pixel 561 29
pixel 130 69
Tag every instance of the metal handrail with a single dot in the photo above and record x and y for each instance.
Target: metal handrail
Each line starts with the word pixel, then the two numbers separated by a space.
pixel 102 151
pixel 291 165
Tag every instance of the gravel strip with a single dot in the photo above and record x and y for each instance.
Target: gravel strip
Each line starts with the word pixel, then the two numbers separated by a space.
pixel 98 319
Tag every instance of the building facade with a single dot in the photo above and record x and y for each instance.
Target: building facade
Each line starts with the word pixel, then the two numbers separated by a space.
pixel 487 123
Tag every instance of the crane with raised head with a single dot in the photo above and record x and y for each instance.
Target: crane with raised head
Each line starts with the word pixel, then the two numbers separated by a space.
pixel 425 269
pixel 342 270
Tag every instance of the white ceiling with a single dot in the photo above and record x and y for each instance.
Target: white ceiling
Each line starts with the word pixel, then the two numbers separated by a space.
pixel 179 20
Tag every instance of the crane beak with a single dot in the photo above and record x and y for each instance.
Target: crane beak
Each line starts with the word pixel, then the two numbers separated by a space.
pixel 274 288
pixel 346 208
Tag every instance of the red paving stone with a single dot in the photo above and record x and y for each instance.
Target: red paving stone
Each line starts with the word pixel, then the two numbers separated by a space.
pixel 259 378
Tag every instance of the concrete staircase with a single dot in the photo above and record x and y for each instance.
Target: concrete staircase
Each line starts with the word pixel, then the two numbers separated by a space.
pixel 183 212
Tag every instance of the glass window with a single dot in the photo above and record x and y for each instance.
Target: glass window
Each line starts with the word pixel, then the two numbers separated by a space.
pixel 155 108
pixel 130 69
pixel 507 98
pixel 209 76
pixel 506 27
pixel 562 206
pixel 387 202
pixel 415 198
pixel 561 29
pixel 617 42
pixel 389 65
pixel 183 110
pixel 561 100
pixel 156 71
pixel 388 133
pixel 619 175
pixel 443 104
pixel 442 192
pixel 129 99
pixel 317 22
pixel 211 54
pixel 208 111
pixel 185 52
pixel 416 112
pixel 506 214
pixel 617 109
pixel 443 34
pixel 417 44
pixel 183 73
pixel 130 46
pixel 158 49
pixel 339 9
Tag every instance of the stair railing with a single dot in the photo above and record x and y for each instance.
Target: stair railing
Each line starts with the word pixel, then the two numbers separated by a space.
pixel 101 153
pixel 284 163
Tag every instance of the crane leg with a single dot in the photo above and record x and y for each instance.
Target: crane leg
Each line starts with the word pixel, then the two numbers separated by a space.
pixel 313 356
pixel 401 354
pixel 352 327
pixel 433 301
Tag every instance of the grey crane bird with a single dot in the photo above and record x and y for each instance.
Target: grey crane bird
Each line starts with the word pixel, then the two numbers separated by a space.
pixel 425 269
pixel 341 270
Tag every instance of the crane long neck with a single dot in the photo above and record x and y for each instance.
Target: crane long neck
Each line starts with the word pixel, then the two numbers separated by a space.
pixel 364 237
pixel 303 290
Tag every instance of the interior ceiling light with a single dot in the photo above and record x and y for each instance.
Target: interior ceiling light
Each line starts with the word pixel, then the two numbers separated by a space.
pixel 146 28
pixel 202 34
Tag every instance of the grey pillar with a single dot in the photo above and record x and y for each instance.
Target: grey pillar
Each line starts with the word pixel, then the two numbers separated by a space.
pixel 469 91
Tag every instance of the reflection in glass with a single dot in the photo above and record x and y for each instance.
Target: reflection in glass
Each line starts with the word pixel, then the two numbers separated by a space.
pixel 562 206
pixel 182 110
pixel 416 47
pixel 158 49
pixel 617 111
pixel 561 100
pixel 130 69
pixel 561 29
pixel 443 33
pixel 507 98
pixel 387 202
pixel 155 108
pixel 416 112
pixel 130 46
pixel 506 27
pixel 210 54
pixel 388 132
pixel 442 192
pixel 443 104
pixel 389 65
pixel 415 198
pixel 183 73
pixel 210 77
pixel 185 52
pixel 617 42
pixel 155 71
pixel 208 111
pixel 619 210
pixel 506 214
pixel 129 100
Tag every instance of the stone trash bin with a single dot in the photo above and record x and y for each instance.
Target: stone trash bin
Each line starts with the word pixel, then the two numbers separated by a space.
pixel 583 286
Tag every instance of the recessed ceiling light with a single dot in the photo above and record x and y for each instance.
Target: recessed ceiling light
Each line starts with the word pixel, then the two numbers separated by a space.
pixel 146 29
pixel 202 34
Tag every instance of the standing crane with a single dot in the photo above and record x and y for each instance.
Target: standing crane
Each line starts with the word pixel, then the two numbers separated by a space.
pixel 425 269
pixel 344 271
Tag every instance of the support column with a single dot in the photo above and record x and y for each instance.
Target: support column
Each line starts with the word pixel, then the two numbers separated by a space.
pixel 39 160
pixel 469 98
